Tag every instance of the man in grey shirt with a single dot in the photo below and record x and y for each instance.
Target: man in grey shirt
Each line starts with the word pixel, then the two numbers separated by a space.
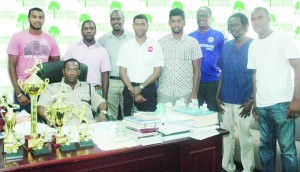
pixel 112 41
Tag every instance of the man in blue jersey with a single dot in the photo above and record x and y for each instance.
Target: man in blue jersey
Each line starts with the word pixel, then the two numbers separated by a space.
pixel 211 42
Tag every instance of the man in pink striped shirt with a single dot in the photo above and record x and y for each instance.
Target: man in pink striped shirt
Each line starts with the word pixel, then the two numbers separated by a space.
pixel 91 53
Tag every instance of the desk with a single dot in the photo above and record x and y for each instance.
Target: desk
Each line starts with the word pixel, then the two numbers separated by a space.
pixel 180 155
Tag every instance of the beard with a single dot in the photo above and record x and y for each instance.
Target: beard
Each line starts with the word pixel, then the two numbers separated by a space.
pixel 35 28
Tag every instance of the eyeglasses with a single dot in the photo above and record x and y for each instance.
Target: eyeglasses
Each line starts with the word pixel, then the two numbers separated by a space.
pixel 71 70
pixel 205 16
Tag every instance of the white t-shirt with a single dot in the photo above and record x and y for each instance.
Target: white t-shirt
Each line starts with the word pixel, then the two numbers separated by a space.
pixel 269 57
pixel 140 60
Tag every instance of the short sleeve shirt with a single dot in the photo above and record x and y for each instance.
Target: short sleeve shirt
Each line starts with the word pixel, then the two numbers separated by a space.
pixel 270 57
pixel 77 97
pixel 140 60
pixel 113 44
pixel 177 75
pixel 211 43
pixel 95 57
pixel 236 87
pixel 28 47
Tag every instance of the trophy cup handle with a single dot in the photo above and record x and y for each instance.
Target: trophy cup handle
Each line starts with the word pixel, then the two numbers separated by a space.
pixel 46 81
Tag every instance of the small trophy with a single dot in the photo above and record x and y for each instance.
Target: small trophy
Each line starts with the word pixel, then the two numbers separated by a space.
pixel 84 129
pixel 12 148
pixel 34 86
pixel 58 115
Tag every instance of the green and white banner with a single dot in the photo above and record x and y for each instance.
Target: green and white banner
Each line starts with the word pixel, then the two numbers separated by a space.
pixel 63 19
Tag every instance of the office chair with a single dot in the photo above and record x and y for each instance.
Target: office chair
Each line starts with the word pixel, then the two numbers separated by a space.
pixel 52 70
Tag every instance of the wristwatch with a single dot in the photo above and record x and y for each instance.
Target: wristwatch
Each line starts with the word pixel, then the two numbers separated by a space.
pixel 141 86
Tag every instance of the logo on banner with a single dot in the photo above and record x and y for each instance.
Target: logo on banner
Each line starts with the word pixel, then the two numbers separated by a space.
pixel 61 39
pixel 6 89
pixel 83 17
pixel 218 3
pixel 94 3
pixel 103 27
pixel 4 39
pixel 54 9
pixel 279 3
pixel 177 4
pixel 157 3
pixel 22 21
pixel 3 64
pixel 297 8
pixel 7 15
pixel 284 27
pixel 115 5
pixel 238 6
pixel 33 3
pixel 297 33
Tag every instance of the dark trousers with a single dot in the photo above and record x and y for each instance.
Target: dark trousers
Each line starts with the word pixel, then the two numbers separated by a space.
pixel 149 93
pixel 207 92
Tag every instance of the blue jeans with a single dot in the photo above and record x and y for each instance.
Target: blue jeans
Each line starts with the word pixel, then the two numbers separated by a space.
pixel 273 125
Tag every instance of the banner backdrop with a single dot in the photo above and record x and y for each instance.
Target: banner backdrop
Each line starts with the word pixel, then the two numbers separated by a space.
pixel 63 19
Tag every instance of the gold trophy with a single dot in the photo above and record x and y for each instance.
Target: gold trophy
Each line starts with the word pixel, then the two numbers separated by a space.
pixel 84 129
pixel 58 115
pixel 34 86
pixel 11 144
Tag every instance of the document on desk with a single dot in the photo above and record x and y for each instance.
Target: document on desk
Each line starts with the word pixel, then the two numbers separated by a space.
pixel 104 137
pixel 204 132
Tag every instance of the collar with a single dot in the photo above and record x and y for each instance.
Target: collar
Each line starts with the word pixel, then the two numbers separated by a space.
pixel 82 43
pixel 125 33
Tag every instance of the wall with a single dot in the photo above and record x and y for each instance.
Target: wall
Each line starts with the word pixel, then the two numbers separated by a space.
pixel 63 19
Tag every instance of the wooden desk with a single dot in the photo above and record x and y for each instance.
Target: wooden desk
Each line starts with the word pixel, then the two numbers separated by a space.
pixel 180 155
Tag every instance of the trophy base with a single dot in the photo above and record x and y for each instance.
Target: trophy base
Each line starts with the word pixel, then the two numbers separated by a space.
pixel 14 156
pixel 39 152
pixel 84 144
pixel 58 141
pixel 31 143
pixel 67 148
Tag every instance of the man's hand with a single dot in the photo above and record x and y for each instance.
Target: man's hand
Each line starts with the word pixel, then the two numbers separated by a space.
pixel 246 108
pixel 294 109
pixel 192 96
pixel 219 104
pixel 139 98
pixel 136 90
pixel 101 117
pixel 23 100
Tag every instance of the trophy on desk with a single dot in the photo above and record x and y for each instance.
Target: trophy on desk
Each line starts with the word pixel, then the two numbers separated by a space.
pixel 58 115
pixel 83 128
pixel 34 86
pixel 11 144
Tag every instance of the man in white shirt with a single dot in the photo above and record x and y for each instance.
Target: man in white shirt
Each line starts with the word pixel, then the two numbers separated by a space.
pixel 140 60
pixel 276 101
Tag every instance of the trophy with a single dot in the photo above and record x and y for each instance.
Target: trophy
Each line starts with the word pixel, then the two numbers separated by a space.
pixel 11 144
pixel 58 115
pixel 84 129
pixel 34 86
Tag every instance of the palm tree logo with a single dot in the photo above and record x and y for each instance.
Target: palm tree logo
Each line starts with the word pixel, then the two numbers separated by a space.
pixel 177 4
pixel 239 6
pixel 273 18
pixel 23 3
pixel 83 17
pixel 149 17
pixel 297 31
pixel 115 5
pixel 22 18
pixel 54 31
pixel 54 6
pixel 297 5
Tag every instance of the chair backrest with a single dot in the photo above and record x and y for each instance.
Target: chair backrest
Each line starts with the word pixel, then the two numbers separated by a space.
pixel 52 70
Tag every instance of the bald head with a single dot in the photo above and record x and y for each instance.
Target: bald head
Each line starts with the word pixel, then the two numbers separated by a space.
pixel 117 21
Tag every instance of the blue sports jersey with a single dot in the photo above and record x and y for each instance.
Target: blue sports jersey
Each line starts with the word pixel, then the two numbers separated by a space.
pixel 236 87
pixel 211 43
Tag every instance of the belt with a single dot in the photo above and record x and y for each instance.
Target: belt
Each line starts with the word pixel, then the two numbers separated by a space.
pixel 98 87
pixel 115 77
pixel 135 84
